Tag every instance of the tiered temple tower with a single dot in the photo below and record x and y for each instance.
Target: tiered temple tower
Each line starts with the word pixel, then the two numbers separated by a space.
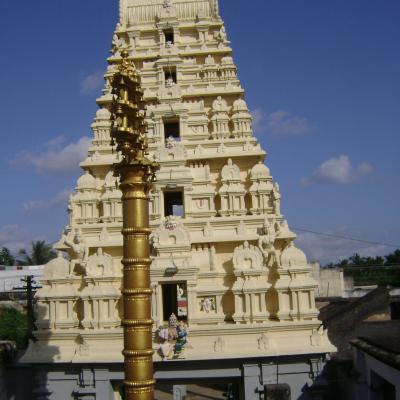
pixel 224 259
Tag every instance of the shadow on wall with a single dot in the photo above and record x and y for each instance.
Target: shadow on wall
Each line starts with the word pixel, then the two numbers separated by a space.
pixel 336 381
pixel 347 319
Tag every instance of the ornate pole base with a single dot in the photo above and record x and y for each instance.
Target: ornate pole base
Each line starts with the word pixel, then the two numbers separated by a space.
pixel 138 352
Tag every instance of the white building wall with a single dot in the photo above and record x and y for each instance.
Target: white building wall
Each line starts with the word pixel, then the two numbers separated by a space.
pixel 11 277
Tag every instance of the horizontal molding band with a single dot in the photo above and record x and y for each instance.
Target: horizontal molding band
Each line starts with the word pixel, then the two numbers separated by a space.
pixel 139 384
pixel 137 322
pixel 135 291
pixel 133 261
pixel 144 197
pixel 130 231
pixel 138 353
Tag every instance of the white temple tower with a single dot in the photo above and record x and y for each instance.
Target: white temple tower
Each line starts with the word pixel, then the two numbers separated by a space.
pixel 224 259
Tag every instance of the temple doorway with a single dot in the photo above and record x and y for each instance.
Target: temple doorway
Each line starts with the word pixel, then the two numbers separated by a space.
pixel 174 300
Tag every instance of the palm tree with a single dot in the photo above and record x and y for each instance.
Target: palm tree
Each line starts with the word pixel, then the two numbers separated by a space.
pixel 40 254
pixel 6 258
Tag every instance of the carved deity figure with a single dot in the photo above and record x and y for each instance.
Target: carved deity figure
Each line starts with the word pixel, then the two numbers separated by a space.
pixel 169 82
pixel 181 339
pixel 220 104
pixel 168 10
pixel 80 249
pixel 247 257
pixel 170 142
pixel 70 209
pixel 220 36
pixel 209 60
pixel 172 327
pixel 207 305
pixel 167 4
pixel 277 199
pixel 230 171
pixel 118 44
pixel 266 243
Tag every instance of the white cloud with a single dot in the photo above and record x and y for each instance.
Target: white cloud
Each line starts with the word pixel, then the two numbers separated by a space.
pixel 258 120
pixel 56 158
pixel 92 83
pixel 56 142
pixel 59 199
pixel 12 237
pixel 31 205
pixel 337 171
pixel 327 249
pixel 280 123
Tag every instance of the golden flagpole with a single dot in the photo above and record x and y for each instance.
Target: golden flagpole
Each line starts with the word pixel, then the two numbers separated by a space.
pixel 136 173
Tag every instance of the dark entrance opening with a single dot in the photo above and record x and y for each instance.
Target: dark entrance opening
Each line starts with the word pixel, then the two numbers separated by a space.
pixel 170 74
pixel 173 203
pixel 174 297
pixel 170 304
pixel 169 36
pixel 172 128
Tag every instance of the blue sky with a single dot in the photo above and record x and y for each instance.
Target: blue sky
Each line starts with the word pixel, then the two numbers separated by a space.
pixel 321 76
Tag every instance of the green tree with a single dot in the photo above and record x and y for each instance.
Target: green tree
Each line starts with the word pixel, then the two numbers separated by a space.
pixel 13 326
pixel 40 254
pixel 6 257
pixel 393 258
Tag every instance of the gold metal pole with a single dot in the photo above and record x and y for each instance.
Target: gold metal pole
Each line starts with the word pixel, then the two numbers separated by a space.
pixel 136 174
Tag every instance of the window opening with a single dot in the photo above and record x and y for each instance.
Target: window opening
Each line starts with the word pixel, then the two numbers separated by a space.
pixel 174 298
pixel 170 75
pixel 173 203
pixel 169 36
pixel 172 129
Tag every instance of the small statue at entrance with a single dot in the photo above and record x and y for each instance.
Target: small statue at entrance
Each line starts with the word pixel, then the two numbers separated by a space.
pixel 172 327
pixel 173 338
pixel 165 349
pixel 181 340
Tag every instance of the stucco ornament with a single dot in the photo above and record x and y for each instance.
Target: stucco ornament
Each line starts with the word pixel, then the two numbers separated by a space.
pixel 171 223
pixel 170 143
pixel 263 342
pixel 168 10
pixel 230 171
pixel 207 304
pixel 57 268
pixel 100 264
pixel 118 44
pixel 220 104
pixel 239 105
pixel 219 345
pixel 277 199
pixel 292 256
pixel 266 243
pixel 220 36
pixel 247 258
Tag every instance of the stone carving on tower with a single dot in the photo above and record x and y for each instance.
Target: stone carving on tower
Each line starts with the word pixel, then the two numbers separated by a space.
pixel 232 191
pixel 223 257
